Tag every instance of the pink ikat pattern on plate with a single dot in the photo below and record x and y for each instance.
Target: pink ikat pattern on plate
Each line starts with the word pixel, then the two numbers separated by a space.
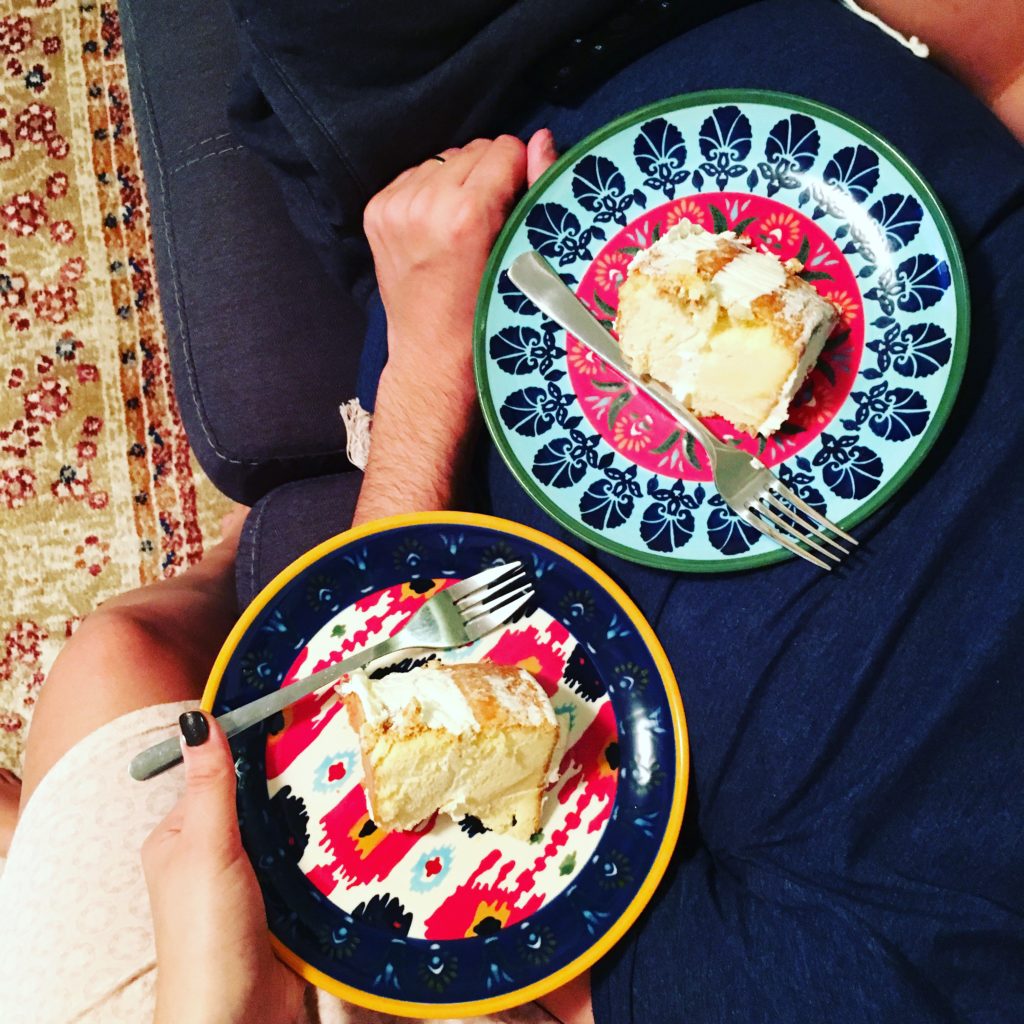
pixel 441 881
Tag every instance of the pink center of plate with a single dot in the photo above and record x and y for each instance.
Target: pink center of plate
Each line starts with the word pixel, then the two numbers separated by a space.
pixel 635 425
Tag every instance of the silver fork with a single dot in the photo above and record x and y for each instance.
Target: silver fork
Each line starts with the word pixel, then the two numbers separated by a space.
pixel 458 615
pixel 746 485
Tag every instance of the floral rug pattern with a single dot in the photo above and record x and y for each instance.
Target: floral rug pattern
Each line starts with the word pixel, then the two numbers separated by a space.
pixel 98 488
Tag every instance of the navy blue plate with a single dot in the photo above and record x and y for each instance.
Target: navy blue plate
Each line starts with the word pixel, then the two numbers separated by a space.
pixel 386 920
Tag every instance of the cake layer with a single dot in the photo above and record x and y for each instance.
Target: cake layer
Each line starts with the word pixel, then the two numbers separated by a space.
pixel 462 739
pixel 730 331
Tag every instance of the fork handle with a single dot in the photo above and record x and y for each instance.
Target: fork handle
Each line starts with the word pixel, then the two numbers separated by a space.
pixel 540 283
pixel 163 755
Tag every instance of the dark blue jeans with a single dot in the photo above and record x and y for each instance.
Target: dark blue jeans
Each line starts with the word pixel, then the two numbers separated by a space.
pixel 852 847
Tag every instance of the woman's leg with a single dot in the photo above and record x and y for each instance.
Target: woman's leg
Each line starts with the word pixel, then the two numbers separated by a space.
pixel 10 795
pixel 148 646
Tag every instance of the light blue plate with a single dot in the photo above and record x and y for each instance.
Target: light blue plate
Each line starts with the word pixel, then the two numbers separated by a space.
pixel 799 179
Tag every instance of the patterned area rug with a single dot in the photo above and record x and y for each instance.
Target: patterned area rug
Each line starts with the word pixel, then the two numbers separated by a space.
pixel 98 489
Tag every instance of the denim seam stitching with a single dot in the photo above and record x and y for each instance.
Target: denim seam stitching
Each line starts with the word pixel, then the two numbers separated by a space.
pixel 202 142
pixel 205 156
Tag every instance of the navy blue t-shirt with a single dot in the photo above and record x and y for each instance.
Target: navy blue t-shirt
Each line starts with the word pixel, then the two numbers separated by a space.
pixel 853 846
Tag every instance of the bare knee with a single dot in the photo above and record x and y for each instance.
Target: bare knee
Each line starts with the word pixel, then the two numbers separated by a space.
pixel 108 650
pixel 118 660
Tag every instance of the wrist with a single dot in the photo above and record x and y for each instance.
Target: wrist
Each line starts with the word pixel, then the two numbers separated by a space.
pixel 422 441
pixel 430 396
pixel 438 352
pixel 438 405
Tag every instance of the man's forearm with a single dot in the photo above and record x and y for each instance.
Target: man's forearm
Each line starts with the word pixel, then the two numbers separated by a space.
pixel 422 443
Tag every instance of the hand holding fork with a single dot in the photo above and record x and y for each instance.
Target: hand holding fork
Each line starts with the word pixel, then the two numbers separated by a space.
pixel 455 616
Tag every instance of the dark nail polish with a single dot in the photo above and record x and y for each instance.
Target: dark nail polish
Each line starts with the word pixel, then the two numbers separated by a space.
pixel 194 728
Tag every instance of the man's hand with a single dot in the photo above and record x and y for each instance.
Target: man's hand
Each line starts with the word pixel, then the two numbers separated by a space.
pixel 431 231
pixel 214 959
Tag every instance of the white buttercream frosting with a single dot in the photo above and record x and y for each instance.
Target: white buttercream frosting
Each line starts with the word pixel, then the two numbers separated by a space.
pixel 680 245
pixel 441 703
pixel 746 278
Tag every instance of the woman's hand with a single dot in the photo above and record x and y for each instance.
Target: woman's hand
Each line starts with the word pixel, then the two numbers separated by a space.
pixel 214 959
pixel 431 231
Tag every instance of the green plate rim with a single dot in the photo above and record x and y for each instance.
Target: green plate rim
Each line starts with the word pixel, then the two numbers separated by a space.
pixel 682 101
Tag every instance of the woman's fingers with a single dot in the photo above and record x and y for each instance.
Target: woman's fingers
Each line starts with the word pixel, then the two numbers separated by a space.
pixel 205 814
pixel 206 899
pixel 208 805
pixel 540 154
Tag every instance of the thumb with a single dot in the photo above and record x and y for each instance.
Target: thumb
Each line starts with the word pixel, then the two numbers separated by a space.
pixel 208 805
pixel 540 154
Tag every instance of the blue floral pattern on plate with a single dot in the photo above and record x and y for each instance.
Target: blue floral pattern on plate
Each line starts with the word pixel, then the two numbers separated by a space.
pixel 829 168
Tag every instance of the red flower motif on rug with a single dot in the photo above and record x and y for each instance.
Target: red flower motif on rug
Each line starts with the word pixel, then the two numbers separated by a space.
pixel 24 213
pixel 15 33
pixel 48 401
pixel 17 486
pixel 36 123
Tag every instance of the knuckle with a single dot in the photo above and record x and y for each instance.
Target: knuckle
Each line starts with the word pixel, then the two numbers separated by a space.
pixel 373 213
pixel 395 218
pixel 421 212
pixel 513 150
pixel 467 215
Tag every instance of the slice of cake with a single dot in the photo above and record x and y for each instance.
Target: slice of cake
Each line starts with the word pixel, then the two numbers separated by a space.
pixel 730 331
pixel 463 739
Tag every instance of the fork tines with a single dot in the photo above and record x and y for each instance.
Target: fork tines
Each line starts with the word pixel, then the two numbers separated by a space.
pixel 492 597
pixel 474 584
pixel 495 605
pixel 500 606
pixel 495 595
pixel 800 526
